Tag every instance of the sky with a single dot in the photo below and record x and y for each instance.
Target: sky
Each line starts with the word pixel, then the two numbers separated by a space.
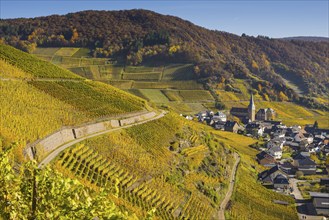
pixel 273 18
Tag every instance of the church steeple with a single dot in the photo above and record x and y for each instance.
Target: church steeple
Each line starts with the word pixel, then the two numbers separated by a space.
pixel 251 108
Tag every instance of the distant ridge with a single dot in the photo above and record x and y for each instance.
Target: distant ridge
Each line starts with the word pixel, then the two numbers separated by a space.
pixel 308 38
pixel 140 36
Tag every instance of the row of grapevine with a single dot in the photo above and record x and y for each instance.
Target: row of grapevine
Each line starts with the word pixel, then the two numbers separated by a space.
pixel 87 97
pixel 194 150
pixel 197 208
pixel 87 164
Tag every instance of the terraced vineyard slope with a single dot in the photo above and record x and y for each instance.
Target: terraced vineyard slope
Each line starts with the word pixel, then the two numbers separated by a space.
pixel 168 170
pixel 171 84
pixel 34 89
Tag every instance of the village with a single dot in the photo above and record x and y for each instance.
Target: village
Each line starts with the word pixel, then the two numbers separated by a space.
pixel 294 157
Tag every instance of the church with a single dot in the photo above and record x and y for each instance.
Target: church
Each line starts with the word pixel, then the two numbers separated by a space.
pixel 245 114
pixel 249 114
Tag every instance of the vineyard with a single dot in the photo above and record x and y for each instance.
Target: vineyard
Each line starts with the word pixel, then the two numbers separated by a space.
pixel 32 65
pixel 149 81
pixel 54 102
pixel 138 164
pixel 97 100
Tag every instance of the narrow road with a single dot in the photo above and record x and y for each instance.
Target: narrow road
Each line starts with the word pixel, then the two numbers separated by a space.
pixel 221 215
pixel 57 151
pixel 305 209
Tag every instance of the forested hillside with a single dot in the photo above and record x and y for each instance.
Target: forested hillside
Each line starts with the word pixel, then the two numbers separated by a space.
pixel 140 36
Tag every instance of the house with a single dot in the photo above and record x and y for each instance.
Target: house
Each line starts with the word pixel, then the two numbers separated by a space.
pixel 276 152
pixel 261 115
pixel 299 137
pixel 255 129
pixel 324 182
pixel 288 168
pixel 303 163
pixel 281 182
pixel 274 178
pixel 232 126
pixel 276 142
pixel 279 133
pixel 320 202
pixel 309 138
pixel 219 116
pixel 265 159
pixel 265 114
pixel 219 125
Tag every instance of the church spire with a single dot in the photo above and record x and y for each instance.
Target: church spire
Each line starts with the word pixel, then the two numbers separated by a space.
pixel 251 108
pixel 251 102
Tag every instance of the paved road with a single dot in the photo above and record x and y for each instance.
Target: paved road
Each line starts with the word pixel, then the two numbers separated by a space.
pixel 304 207
pixel 221 215
pixel 53 154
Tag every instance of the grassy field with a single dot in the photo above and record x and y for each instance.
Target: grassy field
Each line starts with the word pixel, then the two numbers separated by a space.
pixel 142 69
pixel 121 84
pixel 178 72
pixel 151 76
pixel 187 108
pixel 182 85
pixel 172 95
pixel 196 95
pixel 49 51
pixel 67 51
pixel 154 95
pixel 188 96
pixel 82 52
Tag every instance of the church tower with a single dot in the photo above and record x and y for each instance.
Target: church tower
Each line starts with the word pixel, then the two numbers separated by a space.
pixel 251 109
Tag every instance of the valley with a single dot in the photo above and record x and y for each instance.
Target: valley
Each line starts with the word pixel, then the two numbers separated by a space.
pixel 132 114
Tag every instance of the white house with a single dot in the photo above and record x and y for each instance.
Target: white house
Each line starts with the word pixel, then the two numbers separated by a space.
pixel 219 116
pixel 274 143
pixel 275 152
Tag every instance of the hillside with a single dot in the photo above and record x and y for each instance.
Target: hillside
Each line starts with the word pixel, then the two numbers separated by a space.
pixel 308 38
pixel 140 36
pixel 33 107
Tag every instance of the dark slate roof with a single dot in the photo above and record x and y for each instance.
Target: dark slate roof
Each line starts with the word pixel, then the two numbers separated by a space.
pixel 264 155
pixel 273 122
pixel 230 124
pixel 321 203
pixel 281 179
pixel 235 109
pixel 275 148
pixel 266 173
pixel 286 165
pixel 252 126
pixel 306 162
pixel 261 111
pixel 319 195
pixel 299 156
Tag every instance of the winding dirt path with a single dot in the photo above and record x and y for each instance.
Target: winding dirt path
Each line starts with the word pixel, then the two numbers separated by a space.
pixel 58 150
pixel 221 212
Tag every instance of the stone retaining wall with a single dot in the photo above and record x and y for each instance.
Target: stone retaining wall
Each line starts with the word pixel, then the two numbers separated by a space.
pixel 95 128
pixel 51 142
pixel 132 120
pixel 65 135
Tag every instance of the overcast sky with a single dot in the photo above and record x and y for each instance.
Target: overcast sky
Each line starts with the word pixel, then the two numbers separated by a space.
pixel 276 18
